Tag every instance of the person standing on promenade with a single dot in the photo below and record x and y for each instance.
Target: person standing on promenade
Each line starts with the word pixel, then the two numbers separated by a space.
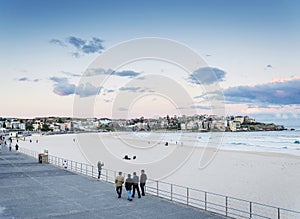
pixel 99 165
pixel 143 180
pixel 119 182
pixel 65 164
pixel 128 187
pixel 135 180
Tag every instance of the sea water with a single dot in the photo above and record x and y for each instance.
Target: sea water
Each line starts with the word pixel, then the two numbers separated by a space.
pixel 287 141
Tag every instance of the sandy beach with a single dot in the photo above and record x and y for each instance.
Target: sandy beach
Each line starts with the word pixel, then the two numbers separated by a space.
pixel 270 178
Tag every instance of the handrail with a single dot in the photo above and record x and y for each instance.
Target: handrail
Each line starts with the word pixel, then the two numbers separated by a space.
pixel 208 201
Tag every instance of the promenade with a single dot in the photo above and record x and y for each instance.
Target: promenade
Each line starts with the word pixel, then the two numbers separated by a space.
pixel 29 189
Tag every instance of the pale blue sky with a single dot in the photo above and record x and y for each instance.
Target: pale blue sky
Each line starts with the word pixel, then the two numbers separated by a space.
pixel 253 42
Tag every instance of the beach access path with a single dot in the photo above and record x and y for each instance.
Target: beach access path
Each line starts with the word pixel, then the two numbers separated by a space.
pixel 29 189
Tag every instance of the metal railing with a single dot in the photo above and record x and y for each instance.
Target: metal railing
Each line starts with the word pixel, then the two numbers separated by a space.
pixel 224 205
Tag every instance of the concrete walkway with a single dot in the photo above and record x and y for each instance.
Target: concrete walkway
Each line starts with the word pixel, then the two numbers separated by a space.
pixel 29 189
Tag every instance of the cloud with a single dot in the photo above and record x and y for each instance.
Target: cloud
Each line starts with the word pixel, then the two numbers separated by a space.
pixel 23 79
pixel 26 79
pixel 82 46
pixel 71 74
pixel 58 42
pixel 97 71
pixel 127 73
pixel 87 89
pixel 63 87
pixel 201 107
pixel 278 93
pixel 207 75
pixel 75 41
pixel 135 89
pixel 59 79
pixel 100 71
pixel 131 89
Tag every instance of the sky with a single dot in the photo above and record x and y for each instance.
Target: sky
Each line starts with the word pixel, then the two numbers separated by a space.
pixel 251 49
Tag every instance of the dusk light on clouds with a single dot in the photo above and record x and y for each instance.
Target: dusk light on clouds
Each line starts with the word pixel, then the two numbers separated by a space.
pixel 252 48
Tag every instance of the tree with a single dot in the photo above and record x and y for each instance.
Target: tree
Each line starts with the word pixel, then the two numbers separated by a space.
pixel 29 126
pixel 45 128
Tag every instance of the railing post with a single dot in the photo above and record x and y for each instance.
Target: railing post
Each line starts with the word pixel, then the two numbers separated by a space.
pixel 86 168
pixel 81 168
pixel 157 188
pixel 278 213
pixel 205 197
pixel 187 196
pixel 250 209
pixel 171 192
pixel 92 171
pixel 226 207
pixel 106 175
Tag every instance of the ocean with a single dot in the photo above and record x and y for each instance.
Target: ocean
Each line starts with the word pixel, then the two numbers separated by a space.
pixel 287 142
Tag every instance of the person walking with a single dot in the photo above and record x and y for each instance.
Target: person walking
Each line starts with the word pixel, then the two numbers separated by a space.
pixel 99 165
pixel 143 179
pixel 128 187
pixel 135 180
pixel 119 182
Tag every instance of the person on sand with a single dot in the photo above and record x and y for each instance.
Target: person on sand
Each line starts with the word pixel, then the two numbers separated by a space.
pixel 17 147
pixel 128 187
pixel 119 182
pixel 135 180
pixel 99 165
pixel 143 179
pixel 126 157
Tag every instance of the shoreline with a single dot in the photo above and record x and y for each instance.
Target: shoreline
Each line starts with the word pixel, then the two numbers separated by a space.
pixel 172 144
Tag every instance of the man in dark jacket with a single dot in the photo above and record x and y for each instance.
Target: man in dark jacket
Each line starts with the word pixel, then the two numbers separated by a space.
pixel 128 187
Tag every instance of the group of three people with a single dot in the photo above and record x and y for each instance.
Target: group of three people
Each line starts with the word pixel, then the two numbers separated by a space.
pixel 131 184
